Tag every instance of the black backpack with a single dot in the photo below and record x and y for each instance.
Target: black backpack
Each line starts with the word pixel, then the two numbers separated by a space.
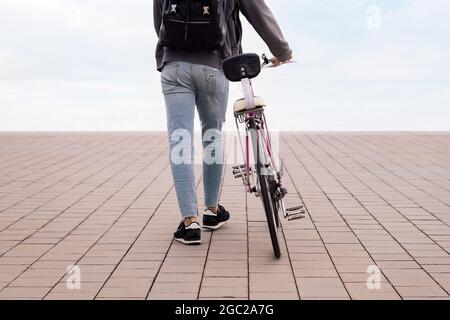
pixel 193 25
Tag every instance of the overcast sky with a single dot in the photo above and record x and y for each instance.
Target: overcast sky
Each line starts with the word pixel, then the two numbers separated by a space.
pixel 362 65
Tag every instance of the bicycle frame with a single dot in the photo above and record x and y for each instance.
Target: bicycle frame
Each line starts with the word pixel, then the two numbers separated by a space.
pixel 257 131
pixel 266 181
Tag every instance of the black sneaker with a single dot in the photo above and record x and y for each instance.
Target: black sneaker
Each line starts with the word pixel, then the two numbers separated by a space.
pixel 213 220
pixel 190 234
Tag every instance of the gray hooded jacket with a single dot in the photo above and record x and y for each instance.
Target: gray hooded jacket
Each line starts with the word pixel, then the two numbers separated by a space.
pixel 257 13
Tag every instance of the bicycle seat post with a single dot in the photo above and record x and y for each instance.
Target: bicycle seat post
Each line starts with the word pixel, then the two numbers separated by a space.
pixel 248 93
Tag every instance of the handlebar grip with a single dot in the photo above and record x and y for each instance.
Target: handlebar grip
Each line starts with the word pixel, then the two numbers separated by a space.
pixel 266 60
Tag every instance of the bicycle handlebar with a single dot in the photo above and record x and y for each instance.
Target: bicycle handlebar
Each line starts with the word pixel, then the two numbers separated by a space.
pixel 268 63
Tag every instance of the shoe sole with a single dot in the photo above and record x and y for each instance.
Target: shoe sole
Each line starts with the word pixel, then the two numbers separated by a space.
pixel 217 226
pixel 194 242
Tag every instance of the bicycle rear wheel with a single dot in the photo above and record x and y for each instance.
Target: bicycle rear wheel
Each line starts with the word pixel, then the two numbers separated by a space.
pixel 275 204
pixel 277 214
pixel 267 199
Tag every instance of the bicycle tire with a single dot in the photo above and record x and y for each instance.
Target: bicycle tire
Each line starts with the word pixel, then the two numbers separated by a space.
pixel 268 206
pixel 276 213
pixel 276 209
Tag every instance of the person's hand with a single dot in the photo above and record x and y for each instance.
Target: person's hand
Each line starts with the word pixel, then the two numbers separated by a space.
pixel 276 62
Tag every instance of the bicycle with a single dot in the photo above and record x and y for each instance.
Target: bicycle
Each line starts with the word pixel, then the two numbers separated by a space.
pixel 266 180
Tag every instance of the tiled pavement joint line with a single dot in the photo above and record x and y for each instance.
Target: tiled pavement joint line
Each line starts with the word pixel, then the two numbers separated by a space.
pixel 52 184
pixel 400 192
pixel 318 161
pixel 442 141
pixel 30 155
pixel 362 205
pixel 367 150
pixel 12 160
pixel 166 253
pixel 281 217
pixel 210 238
pixel 54 245
pixel 70 206
pixel 385 156
pixel 48 151
pixel 415 186
pixel 64 192
pixel 204 265
pixel 140 232
pixel 435 156
pixel 33 157
pixel 385 200
pixel 112 195
pixel 438 153
pixel 59 169
pixel 105 147
pixel 289 254
pixel 309 216
pixel 71 188
pixel 159 270
pixel 120 216
pixel 341 216
pixel 136 257
pixel 435 160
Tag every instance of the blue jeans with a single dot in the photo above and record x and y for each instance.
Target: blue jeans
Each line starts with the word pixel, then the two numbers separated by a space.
pixel 186 85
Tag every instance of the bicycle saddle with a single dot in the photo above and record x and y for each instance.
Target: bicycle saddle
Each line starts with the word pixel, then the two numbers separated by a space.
pixel 247 65
pixel 240 106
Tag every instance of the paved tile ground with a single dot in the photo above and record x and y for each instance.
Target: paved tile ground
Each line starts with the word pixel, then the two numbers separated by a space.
pixel 105 203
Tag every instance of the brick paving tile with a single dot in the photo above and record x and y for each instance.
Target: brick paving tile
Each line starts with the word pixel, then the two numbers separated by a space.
pixel 323 292
pixel 274 296
pixel 378 208
pixel 361 292
pixel 173 295
pixel 129 292
pixel 24 292
pixel 224 292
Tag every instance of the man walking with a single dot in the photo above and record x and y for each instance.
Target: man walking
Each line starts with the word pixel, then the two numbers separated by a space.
pixel 195 36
